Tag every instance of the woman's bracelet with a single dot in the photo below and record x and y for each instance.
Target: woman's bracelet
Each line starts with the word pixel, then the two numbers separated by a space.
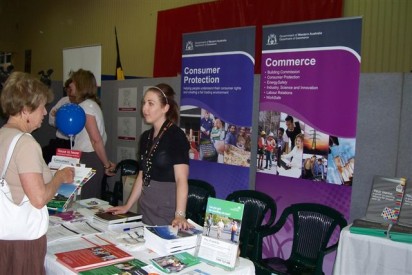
pixel 106 167
pixel 180 214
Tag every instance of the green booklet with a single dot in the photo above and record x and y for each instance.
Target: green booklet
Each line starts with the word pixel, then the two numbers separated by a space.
pixel 401 233
pixel 221 233
pixel 129 267
pixel 175 262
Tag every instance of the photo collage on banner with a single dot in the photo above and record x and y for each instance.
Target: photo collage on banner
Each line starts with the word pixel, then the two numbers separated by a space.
pixel 308 100
pixel 216 109
pixel 308 111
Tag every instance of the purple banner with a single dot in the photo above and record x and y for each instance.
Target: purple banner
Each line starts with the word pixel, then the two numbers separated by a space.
pixel 216 109
pixel 307 119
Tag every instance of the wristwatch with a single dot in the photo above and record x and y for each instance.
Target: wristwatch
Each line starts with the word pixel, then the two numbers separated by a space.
pixel 180 214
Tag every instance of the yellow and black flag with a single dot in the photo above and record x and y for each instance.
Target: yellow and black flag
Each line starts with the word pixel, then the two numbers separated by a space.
pixel 119 69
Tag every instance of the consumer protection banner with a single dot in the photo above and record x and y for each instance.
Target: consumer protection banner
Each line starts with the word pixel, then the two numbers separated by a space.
pixel 216 105
pixel 308 110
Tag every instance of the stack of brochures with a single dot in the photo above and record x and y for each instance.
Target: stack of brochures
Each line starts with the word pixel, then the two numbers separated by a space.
pixel 70 230
pixel 104 219
pixel 90 207
pixel 165 240
pixel 128 236
pixel 64 217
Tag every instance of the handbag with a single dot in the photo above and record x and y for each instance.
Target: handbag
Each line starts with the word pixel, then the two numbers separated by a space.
pixel 22 221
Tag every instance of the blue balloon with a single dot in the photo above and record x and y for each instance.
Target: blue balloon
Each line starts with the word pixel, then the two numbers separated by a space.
pixel 70 119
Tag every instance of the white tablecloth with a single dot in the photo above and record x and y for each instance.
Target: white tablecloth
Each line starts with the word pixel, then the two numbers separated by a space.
pixel 243 267
pixel 364 255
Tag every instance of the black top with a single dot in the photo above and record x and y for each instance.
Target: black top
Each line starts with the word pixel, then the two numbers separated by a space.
pixel 173 149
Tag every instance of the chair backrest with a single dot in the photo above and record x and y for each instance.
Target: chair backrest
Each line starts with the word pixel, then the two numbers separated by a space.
pixel 313 226
pixel 257 206
pixel 127 167
pixel 199 192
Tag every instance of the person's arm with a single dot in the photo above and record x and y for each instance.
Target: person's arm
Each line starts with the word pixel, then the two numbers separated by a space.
pixel 181 176
pixel 313 168
pixel 227 141
pixel 40 193
pixel 98 145
pixel 290 154
pixel 53 111
pixel 133 197
pixel 52 117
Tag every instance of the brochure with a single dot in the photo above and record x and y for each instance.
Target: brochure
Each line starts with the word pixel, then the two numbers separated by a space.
pixel 219 244
pixel 130 267
pixel 175 263
pixel 385 199
pixel 96 256
pixel 65 196
pixel 388 199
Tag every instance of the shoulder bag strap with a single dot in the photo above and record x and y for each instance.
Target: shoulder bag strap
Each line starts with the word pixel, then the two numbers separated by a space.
pixel 9 154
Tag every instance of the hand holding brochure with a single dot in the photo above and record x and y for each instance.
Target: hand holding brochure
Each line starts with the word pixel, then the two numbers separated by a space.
pixel 67 192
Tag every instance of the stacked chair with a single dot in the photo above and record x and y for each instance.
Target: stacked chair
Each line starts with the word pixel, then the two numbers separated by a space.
pixel 199 192
pixel 313 226
pixel 259 214
pixel 127 167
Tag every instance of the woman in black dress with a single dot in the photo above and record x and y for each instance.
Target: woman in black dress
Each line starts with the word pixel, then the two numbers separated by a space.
pixel 161 186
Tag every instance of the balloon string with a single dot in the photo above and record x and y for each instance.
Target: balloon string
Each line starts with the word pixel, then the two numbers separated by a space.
pixel 71 142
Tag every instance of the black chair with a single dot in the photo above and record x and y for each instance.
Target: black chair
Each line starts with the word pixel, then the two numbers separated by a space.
pixel 127 167
pixel 199 192
pixel 313 226
pixel 257 206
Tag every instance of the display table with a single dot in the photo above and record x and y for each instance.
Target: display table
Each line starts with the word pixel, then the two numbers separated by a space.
pixel 243 266
pixel 362 254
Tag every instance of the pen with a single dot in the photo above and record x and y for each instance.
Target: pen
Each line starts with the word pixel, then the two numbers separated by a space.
pixel 130 228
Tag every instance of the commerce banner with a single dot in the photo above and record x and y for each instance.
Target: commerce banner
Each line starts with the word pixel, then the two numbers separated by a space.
pixel 307 119
pixel 216 105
